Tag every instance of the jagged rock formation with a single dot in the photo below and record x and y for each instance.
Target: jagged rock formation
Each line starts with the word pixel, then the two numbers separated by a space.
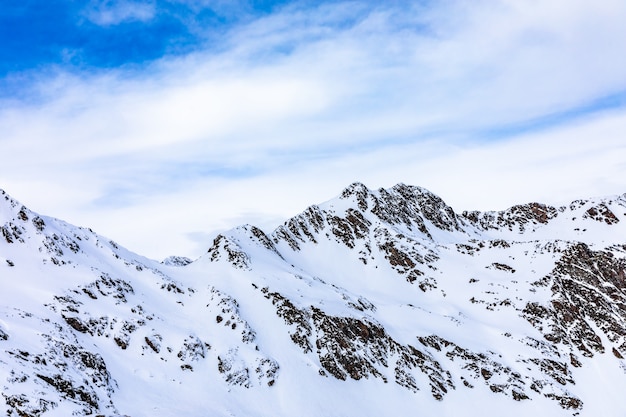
pixel 388 295
pixel 176 261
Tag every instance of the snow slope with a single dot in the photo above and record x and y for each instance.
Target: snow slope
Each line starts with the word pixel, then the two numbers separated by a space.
pixel 375 302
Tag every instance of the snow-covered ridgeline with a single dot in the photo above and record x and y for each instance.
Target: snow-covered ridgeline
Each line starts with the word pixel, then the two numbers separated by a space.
pixel 377 301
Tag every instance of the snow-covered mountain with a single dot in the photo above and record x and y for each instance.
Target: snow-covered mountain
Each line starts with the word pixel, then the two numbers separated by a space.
pixel 373 303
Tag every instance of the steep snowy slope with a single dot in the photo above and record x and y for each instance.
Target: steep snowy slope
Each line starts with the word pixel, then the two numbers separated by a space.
pixel 375 302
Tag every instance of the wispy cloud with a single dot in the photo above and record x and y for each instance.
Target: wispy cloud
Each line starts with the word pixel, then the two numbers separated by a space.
pixel 114 12
pixel 278 110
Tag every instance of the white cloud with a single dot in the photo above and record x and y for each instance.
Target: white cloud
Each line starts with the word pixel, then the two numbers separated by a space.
pixel 553 167
pixel 288 109
pixel 114 12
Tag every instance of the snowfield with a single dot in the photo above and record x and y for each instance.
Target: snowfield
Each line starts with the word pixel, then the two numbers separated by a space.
pixel 377 302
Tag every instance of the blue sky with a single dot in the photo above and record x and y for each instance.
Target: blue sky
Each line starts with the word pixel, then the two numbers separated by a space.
pixel 194 116
pixel 84 35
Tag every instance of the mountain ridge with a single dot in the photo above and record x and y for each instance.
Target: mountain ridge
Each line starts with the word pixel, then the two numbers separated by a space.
pixel 374 301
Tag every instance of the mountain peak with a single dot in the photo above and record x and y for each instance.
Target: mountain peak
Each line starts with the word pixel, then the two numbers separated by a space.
pixel 355 188
pixel 176 261
pixel 386 296
pixel 11 209
pixel 359 192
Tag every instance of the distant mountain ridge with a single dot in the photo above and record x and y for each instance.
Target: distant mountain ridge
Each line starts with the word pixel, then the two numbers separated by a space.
pixel 375 302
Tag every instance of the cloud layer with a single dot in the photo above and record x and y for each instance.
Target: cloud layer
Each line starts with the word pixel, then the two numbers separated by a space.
pixel 492 101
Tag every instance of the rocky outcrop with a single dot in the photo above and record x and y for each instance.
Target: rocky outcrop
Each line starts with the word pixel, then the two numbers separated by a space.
pixel 518 218
pixel 60 369
pixel 348 347
pixel 176 261
pixel 225 248
pixel 588 296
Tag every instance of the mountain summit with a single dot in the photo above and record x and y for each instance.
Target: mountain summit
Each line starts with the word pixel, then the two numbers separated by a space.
pixel 376 302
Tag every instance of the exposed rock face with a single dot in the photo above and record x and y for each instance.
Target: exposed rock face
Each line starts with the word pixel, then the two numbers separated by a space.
pixel 588 301
pixel 61 369
pixel 176 261
pixel 388 287
pixel 228 249
pixel 518 218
